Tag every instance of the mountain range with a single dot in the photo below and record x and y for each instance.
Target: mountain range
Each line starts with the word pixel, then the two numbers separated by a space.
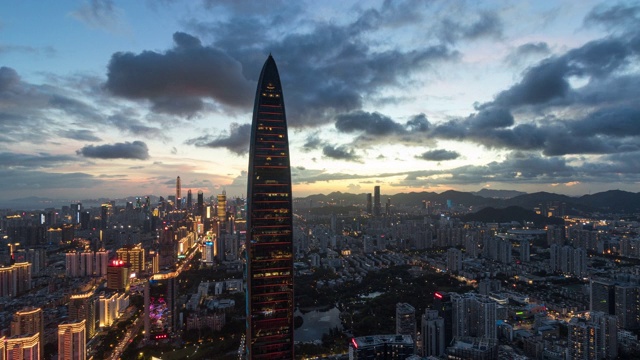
pixel 612 201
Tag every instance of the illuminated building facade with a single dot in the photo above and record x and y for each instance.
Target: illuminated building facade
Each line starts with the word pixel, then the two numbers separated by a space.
pixel 83 307
pixel 72 341
pixel 28 321
pixel 269 225
pixel 23 347
pixel 118 275
pixel 134 256
pixel 15 279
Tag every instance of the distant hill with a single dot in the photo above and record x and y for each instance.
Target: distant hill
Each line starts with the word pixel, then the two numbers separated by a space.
pixel 511 213
pixel 614 201
pixel 498 194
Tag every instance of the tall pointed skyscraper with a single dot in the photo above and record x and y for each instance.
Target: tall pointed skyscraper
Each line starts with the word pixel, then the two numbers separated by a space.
pixel 269 225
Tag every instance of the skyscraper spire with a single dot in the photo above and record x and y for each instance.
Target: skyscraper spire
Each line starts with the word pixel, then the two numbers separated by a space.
pixel 269 225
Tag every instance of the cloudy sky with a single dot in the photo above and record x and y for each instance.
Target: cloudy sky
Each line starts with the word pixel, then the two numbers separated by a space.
pixel 118 98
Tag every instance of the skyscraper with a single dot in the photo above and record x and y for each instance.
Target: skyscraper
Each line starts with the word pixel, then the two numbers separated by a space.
pixel 178 189
pixel 72 341
pixel 269 225
pixel 376 200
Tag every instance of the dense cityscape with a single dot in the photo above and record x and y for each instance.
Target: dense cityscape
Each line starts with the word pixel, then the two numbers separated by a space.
pixel 144 216
pixel 138 279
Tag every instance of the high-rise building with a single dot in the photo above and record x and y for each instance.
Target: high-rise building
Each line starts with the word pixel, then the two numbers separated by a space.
pixel 376 201
pixel 270 303
pixel 602 296
pixel 134 256
pixel 189 200
pixel 24 347
pixel 369 204
pixel 72 340
pixel 474 315
pixel 15 279
pixel 28 321
pixel 102 261
pixel 200 204
pixel 406 320
pixel 454 260
pixel 627 299
pixel 433 334
pixel 105 213
pixel 82 307
pixel 178 194
pixel 76 209
pixel 222 207
pixel 443 304
pixel 118 275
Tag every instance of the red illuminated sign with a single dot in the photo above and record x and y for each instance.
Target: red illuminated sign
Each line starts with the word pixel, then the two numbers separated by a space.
pixel 117 263
pixel 355 344
pixel 438 295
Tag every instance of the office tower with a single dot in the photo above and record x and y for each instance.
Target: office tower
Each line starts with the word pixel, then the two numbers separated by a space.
pixel 200 203
pixel 23 347
pixel 433 334
pixel 222 207
pixel 189 200
pixel 83 307
pixel 369 204
pixel 376 200
pixel 28 321
pixel 602 296
pixel 442 303
pixel 76 209
pixel 134 256
pixel 118 275
pixel 269 225
pixel 72 341
pixel 406 320
pixel 161 294
pixel 167 251
pixel 381 347
pixel 178 195
pixel 105 212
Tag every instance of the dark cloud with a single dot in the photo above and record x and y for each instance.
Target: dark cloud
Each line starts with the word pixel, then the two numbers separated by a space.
pixel 527 51
pixel 418 123
pixel 338 65
pixel 618 16
pixel 340 153
pixel 79 134
pixel 136 150
pixel 439 155
pixel 312 142
pixel 30 181
pixel 369 123
pixel 9 79
pixel 39 160
pixel 175 81
pixel 127 121
pixel 235 140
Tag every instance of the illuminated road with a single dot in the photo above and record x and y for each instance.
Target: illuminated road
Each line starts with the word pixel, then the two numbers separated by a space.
pixel 129 335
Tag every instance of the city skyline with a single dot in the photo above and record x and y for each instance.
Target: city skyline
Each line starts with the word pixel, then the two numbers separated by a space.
pixel 111 99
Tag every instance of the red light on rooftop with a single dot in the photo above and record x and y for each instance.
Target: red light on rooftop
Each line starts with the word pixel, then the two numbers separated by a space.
pixel 355 344
pixel 438 295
